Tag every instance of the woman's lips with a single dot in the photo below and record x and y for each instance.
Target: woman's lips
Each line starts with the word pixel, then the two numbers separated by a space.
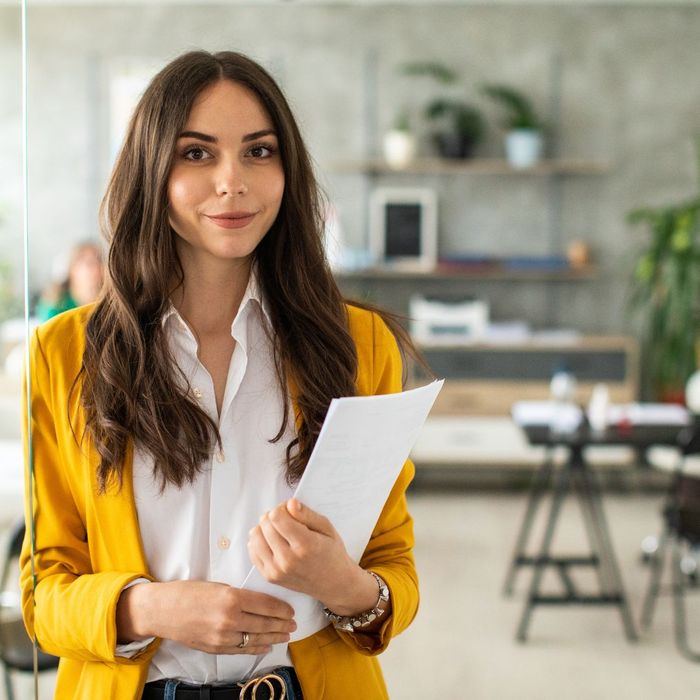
pixel 232 221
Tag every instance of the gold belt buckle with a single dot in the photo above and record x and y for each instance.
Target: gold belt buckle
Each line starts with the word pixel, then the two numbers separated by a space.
pixel 271 681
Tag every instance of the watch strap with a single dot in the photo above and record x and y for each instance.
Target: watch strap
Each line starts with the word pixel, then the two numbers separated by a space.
pixel 351 623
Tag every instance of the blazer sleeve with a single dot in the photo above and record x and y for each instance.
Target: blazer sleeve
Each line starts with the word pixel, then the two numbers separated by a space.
pixel 389 552
pixel 69 608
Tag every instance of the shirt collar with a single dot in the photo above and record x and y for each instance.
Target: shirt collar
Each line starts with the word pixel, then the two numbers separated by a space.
pixel 254 291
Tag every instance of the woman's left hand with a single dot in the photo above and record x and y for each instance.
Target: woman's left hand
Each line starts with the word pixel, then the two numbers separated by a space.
pixel 295 547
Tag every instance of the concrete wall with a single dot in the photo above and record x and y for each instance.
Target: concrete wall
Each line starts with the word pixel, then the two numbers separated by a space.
pixel 627 93
pixel 10 143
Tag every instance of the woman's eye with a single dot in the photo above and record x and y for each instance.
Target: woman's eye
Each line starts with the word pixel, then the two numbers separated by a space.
pixel 261 151
pixel 195 153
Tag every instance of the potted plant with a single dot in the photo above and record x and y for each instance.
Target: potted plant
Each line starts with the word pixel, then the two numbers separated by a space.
pixel 524 129
pixel 460 127
pixel 457 127
pixel 666 290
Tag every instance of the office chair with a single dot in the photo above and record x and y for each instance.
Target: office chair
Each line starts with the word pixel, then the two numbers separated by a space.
pixel 680 534
pixel 16 649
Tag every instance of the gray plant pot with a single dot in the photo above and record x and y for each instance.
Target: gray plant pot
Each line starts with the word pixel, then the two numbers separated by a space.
pixel 524 148
pixel 451 145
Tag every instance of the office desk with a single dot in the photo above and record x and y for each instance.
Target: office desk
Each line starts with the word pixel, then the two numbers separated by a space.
pixel 576 476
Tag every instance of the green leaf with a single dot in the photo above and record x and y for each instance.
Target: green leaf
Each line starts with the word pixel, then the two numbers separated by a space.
pixel 666 290
pixel 431 69
pixel 520 113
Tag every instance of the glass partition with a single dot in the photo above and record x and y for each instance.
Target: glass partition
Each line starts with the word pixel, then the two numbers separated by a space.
pixel 11 265
pixel 615 85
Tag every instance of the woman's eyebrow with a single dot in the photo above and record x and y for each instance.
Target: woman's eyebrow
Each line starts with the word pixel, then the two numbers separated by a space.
pixel 198 135
pixel 259 135
pixel 212 139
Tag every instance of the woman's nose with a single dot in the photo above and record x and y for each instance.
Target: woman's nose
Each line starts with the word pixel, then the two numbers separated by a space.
pixel 230 181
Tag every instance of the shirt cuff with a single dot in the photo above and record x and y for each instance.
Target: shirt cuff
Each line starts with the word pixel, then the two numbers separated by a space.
pixel 130 650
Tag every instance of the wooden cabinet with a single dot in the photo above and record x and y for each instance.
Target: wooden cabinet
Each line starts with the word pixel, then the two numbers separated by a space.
pixel 488 379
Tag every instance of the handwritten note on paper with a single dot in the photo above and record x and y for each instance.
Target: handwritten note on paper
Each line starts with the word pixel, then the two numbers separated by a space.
pixel 358 456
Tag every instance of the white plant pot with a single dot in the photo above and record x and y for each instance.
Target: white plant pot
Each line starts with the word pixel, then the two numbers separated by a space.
pixel 399 148
pixel 523 148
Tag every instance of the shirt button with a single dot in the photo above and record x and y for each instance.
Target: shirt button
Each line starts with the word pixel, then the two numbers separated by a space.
pixel 220 456
pixel 197 392
pixel 224 542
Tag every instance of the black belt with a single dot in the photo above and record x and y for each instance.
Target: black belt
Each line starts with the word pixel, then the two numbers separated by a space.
pixel 270 686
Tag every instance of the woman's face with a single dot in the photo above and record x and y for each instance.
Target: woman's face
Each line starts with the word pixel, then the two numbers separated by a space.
pixel 226 183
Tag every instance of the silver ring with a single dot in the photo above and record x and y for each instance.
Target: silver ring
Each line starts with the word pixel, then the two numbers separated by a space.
pixel 244 641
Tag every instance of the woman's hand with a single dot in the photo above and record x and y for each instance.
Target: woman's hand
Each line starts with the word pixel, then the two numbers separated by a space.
pixel 203 615
pixel 297 548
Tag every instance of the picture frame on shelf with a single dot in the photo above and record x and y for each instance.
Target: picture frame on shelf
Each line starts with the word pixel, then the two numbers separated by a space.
pixel 403 227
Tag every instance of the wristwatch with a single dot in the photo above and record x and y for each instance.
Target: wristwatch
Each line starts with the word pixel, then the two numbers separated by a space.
pixel 352 623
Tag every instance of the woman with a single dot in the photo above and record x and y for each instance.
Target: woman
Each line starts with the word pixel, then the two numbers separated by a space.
pixel 81 286
pixel 181 407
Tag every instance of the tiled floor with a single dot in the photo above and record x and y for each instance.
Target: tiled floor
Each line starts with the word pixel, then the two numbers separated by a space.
pixel 461 645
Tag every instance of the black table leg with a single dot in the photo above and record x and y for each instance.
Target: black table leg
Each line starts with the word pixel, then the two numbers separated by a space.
pixel 538 486
pixel 560 490
pixel 590 521
pixel 656 564
pixel 610 570
pixel 577 476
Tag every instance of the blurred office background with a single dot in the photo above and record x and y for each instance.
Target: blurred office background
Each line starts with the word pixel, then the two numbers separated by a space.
pixel 541 261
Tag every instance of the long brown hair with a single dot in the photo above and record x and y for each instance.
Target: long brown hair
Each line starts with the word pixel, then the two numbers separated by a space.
pixel 131 387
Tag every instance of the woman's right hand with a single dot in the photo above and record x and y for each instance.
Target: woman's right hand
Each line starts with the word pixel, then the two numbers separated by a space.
pixel 203 615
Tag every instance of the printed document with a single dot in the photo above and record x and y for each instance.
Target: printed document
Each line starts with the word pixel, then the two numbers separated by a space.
pixel 358 456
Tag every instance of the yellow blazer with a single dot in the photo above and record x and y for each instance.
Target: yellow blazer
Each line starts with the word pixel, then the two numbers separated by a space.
pixel 88 546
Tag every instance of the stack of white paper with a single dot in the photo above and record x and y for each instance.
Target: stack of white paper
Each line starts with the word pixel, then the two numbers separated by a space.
pixel 360 451
pixel 526 413
pixel 648 414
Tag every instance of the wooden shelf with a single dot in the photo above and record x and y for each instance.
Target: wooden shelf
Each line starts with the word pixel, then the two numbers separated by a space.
pixel 472 166
pixel 485 378
pixel 539 343
pixel 389 274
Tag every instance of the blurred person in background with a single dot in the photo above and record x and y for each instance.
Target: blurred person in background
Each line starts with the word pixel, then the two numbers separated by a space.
pixel 81 285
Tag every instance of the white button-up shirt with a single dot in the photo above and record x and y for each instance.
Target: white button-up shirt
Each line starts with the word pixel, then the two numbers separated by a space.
pixel 200 531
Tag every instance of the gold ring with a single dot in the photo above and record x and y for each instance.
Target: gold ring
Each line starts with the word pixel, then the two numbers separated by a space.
pixel 244 641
